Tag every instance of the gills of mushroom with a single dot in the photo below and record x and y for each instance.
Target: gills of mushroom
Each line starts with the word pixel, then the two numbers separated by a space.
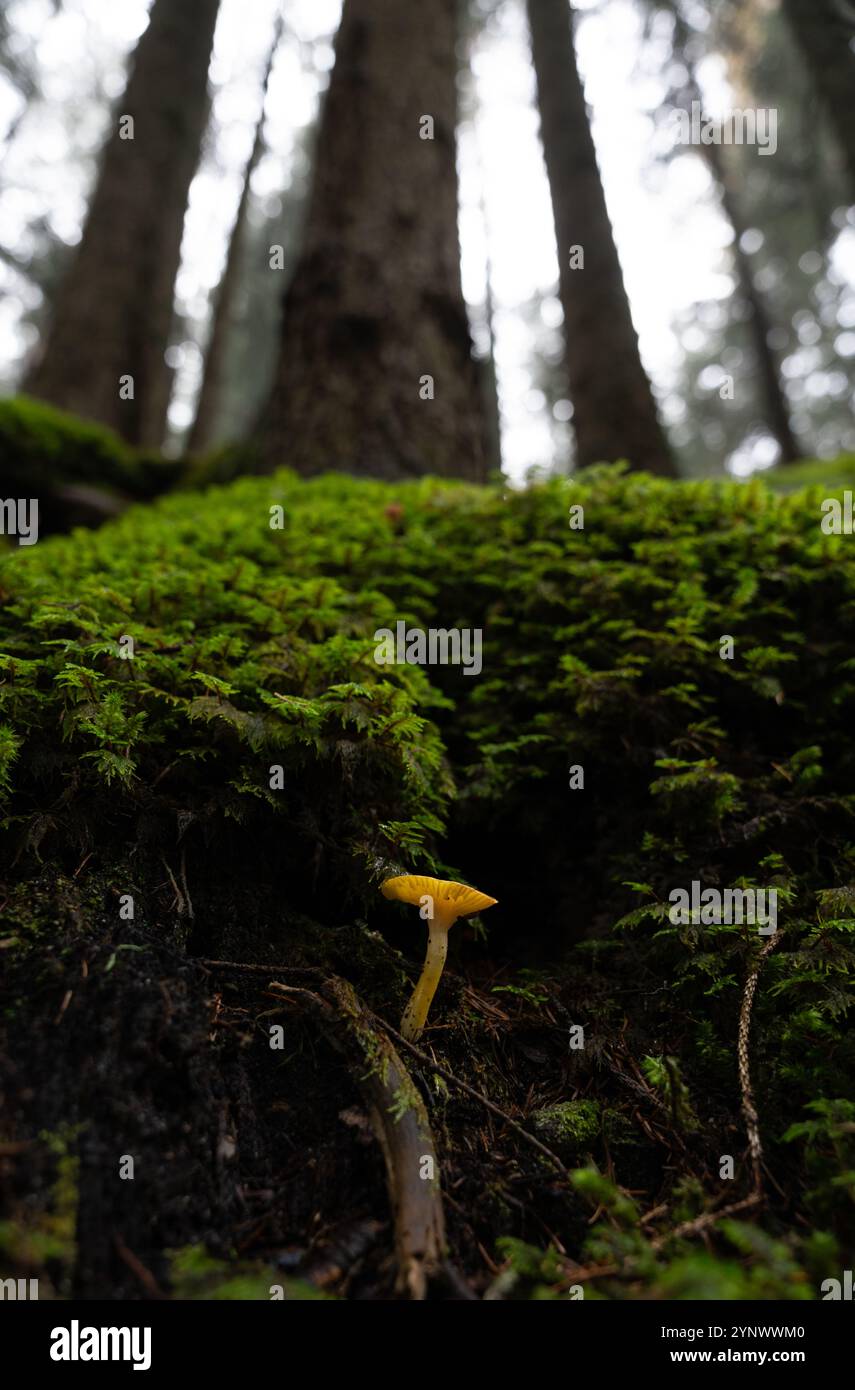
pixel 441 901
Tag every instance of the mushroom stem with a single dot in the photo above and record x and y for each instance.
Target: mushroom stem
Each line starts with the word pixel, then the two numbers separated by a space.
pixel 417 1010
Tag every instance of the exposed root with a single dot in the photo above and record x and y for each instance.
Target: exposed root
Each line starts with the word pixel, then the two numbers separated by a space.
pixel 400 1123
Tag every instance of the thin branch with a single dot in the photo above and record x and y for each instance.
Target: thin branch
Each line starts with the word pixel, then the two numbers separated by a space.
pixel 241 967
pixel 476 1095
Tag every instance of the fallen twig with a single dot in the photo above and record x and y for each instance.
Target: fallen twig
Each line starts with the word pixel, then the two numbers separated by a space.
pixel 268 970
pixel 137 1268
pixel 709 1218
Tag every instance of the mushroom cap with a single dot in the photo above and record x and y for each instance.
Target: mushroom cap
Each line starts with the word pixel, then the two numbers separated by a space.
pixel 411 888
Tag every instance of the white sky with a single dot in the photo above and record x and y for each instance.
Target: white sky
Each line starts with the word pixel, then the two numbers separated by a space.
pixel 669 233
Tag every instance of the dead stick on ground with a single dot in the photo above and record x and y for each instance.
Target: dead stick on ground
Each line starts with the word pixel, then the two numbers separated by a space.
pixel 145 1276
pixel 179 898
pixel 242 968
pixel 749 1110
pixel 400 1122
pixel 709 1218
pixel 190 913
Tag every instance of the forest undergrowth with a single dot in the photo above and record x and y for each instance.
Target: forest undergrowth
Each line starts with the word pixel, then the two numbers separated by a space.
pixel 206 776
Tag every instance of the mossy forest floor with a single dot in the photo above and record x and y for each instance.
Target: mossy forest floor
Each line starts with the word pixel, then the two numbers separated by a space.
pixel 210 806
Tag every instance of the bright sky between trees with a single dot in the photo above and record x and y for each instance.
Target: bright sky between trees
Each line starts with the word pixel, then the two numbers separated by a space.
pixel 671 238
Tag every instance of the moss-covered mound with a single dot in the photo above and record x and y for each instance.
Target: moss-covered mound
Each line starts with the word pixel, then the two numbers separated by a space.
pixel 203 760
pixel 838 473
pixel 79 471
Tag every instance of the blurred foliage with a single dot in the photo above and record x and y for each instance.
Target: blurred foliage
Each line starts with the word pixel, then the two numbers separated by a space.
pixel 791 208
pixel 43 450
pixel 197 1276
pixel 830 475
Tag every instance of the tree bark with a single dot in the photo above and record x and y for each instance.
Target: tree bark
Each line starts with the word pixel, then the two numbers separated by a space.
pixel 776 411
pixel 825 32
pixel 614 411
pixel 203 433
pixel 114 310
pixel 375 305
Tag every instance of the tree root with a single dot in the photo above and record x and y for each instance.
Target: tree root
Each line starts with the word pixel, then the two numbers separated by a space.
pixel 401 1125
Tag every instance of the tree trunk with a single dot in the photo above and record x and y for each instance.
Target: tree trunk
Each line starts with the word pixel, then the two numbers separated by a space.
pixel 203 433
pixel 776 411
pixel 490 383
pixel 488 373
pixel 114 311
pixel 825 32
pixel 375 374
pixel 614 411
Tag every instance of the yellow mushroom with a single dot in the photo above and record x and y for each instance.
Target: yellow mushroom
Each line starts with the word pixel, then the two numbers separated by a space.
pixel 441 902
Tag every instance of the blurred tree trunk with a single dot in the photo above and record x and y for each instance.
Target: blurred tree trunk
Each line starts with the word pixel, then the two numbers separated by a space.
pixel 489 378
pixel 776 412
pixel 114 309
pixel 374 318
pixel 825 32
pixel 614 411
pixel 474 18
pixel 204 432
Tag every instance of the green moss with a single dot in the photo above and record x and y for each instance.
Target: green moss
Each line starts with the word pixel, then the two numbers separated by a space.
pixel 573 1122
pixel 829 474
pixel 42 448
pixel 239 668
pixel 539 1273
pixel 195 1275
pixel 254 648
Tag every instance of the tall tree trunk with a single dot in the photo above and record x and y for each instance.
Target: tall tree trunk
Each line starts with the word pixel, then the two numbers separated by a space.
pixel 614 411
pixel 490 380
pixel 776 411
pixel 203 433
pixel 825 32
pixel 488 374
pixel 114 311
pixel 375 306
pixel 473 22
